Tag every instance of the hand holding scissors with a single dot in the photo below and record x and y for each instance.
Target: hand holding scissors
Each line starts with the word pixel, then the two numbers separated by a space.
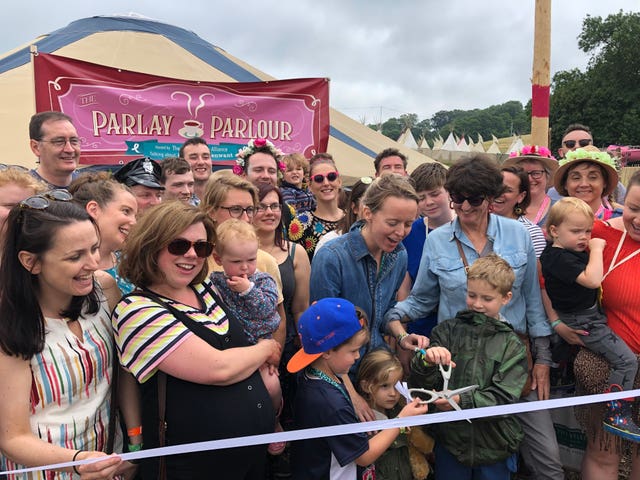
pixel 445 393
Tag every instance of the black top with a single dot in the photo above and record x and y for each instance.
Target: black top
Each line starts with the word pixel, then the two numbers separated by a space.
pixel 196 413
pixel 560 268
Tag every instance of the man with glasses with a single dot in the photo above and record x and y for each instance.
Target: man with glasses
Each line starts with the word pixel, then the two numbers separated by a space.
pixel 54 140
pixel 575 136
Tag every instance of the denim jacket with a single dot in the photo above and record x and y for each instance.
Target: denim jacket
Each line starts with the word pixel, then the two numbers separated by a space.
pixel 442 281
pixel 344 268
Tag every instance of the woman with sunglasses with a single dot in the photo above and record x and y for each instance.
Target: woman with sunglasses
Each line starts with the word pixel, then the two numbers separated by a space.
pixel 473 183
pixel 325 184
pixel 56 348
pixel 367 264
pixel 16 184
pixel 352 211
pixel 114 208
pixel 540 165
pixel 198 374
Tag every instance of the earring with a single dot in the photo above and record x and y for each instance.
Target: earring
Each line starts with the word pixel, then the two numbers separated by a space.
pixel 518 210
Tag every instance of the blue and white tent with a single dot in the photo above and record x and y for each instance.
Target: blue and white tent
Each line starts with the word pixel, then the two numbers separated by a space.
pixel 144 45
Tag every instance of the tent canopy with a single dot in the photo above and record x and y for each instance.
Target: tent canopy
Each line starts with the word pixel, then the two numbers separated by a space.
pixel 147 46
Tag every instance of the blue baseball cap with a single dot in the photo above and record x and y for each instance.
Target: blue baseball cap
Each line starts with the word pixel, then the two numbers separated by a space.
pixel 324 325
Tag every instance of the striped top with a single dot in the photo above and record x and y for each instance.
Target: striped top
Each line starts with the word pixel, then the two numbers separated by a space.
pixel 70 389
pixel 146 333
pixel 537 235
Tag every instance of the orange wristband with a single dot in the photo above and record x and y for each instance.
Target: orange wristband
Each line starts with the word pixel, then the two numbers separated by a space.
pixel 132 432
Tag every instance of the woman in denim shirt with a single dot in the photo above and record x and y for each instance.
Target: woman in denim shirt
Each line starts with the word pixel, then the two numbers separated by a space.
pixel 473 183
pixel 367 265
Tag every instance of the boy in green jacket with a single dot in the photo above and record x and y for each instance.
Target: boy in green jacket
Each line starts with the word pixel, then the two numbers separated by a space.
pixel 487 352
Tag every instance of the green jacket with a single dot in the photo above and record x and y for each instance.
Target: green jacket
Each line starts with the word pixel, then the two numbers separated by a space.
pixel 487 352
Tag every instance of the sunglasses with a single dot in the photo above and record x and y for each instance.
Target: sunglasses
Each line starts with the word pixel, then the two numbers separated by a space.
pixel 583 142
pixel 331 176
pixel 42 201
pixel 180 246
pixel 474 201
pixel 6 166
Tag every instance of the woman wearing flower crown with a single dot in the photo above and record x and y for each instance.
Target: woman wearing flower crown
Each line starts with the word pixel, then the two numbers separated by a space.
pixel 540 165
pixel 590 175
pixel 324 182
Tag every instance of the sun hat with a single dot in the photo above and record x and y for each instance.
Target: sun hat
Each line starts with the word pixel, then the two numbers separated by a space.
pixel 533 153
pixel 141 171
pixel 589 154
pixel 324 325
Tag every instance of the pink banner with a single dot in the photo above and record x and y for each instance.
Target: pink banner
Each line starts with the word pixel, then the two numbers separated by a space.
pixel 119 113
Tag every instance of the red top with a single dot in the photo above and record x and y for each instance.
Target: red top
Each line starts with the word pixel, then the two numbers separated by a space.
pixel 621 289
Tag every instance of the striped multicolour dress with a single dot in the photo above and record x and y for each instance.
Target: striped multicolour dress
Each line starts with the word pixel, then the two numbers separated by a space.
pixel 70 388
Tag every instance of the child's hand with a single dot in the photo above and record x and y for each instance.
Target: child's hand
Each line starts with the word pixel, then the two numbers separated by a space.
pixel 444 405
pixel 413 408
pixel 439 356
pixel 597 244
pixel 238 284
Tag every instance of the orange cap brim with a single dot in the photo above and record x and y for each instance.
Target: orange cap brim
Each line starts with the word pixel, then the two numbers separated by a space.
pixel 301 359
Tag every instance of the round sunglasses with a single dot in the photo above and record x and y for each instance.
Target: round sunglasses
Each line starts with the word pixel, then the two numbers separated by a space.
pixel 180 246
pixel 331 176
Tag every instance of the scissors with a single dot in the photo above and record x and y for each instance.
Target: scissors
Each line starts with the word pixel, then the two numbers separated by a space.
pixel 445 392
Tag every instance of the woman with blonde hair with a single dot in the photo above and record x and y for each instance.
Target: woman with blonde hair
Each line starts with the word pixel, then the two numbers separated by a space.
pixel 367 265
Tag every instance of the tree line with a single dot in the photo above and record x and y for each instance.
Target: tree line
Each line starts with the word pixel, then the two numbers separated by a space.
pixel 605 96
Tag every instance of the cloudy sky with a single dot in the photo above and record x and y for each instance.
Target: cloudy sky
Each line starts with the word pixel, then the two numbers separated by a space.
pixel 384 57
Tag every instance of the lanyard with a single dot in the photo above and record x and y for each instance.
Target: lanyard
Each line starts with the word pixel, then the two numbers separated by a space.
pixel 541 210
pixel 613 264
pixel 323 376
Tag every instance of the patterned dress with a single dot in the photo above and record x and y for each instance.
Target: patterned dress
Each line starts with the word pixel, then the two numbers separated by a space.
pixel 307 229
pixel 70 388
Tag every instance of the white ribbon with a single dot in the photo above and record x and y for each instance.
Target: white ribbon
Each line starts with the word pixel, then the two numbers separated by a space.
pixel 335 430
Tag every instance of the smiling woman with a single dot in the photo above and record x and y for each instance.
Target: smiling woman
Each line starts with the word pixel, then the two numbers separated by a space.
pixel 309 227
pixel 166 258
pixel 113 207
pixel 367 265
pixel 53 312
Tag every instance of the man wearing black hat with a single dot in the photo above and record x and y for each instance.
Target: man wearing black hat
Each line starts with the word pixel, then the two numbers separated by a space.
pixel 142 176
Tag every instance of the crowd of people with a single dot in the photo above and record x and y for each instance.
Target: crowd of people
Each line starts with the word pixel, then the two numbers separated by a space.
pixel 167 304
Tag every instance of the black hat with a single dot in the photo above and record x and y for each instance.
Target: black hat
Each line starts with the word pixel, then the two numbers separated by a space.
pixel 141 171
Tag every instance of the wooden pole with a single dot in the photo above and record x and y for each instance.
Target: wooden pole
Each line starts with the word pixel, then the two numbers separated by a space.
pixel 541 74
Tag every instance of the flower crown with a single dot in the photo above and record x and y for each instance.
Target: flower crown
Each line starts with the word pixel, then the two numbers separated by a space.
pixel 250 149
pixel 582 154
pixel 533 150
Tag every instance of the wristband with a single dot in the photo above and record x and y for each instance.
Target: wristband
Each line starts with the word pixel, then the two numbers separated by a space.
pixel 135 431
pixel 75 457
pixel 555 323
pixel 401 337
pixel 135 448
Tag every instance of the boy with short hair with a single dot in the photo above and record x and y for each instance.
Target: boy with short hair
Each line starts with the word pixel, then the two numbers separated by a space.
pixel 488 353
pixel 332 332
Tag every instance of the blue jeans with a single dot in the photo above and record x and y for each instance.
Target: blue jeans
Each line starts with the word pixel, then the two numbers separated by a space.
pixel 448 468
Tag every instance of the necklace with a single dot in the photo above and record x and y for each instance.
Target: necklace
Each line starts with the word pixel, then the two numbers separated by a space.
pixel 323 376
pixel 614 263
